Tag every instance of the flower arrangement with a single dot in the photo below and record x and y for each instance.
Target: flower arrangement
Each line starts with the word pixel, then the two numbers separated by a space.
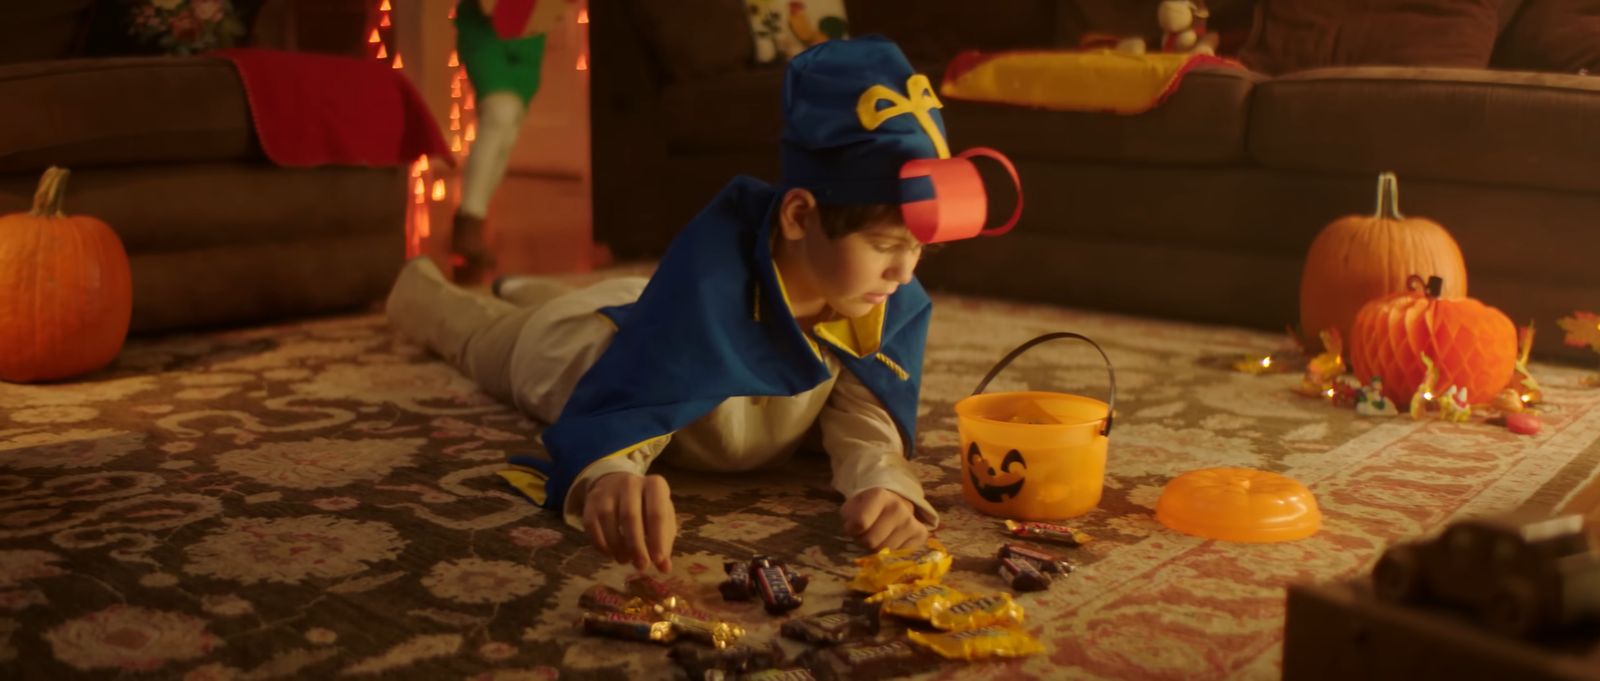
pixel 185 27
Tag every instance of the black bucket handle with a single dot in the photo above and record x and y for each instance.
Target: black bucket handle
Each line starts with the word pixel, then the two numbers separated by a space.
pixel 1111 373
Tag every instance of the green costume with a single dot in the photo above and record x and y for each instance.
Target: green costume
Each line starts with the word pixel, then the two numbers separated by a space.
pixel 494 64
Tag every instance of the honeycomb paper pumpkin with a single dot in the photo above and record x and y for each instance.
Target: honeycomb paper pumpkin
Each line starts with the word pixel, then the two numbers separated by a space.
pixel 65 291
pixel 1472 345
pixel 1360 257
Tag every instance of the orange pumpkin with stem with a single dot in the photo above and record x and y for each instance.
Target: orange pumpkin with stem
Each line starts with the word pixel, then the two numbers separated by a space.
pixel 66 294
pixel 1472 345
pixel 1361 257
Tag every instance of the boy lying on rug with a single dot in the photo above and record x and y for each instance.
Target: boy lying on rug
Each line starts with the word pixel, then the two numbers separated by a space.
pixel 734 348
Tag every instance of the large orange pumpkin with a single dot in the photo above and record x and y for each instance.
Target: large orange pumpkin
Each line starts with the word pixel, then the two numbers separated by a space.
pixel 1473 345
pixel 65 291
pixel 1361 257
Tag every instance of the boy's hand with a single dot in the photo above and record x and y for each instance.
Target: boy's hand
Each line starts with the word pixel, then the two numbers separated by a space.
pixel 880 518
pixel 630 518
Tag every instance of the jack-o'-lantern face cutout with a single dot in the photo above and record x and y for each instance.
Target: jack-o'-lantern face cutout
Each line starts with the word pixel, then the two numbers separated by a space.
pixel 996 483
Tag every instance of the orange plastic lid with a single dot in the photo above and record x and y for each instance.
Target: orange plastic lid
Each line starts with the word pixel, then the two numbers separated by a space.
pixel 1239 504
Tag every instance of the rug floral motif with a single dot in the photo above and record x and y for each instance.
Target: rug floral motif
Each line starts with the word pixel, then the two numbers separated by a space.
pixel 318 500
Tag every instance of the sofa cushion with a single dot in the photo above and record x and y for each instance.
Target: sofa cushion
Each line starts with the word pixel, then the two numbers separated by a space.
pixel 1470 125
pixel 692 38
pixel 1204 121
pixel 1291 35
pixel 31 31
pixel 127 110
pixel 172 206
pixel 1553 35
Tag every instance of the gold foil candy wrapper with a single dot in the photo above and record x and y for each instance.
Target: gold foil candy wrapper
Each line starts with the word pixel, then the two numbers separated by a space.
pixel 979 644
pixel 926 565
pixel 716 634
pixel 995 610
pixel 915 601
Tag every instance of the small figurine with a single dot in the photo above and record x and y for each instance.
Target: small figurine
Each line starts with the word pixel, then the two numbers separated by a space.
pixel 1423 397
pixel 1509 402
pixel 1522 381
pixel 1323 369
pixel 1371 402
pixel 1346 392
pixel 1454 407
pixel 1183 27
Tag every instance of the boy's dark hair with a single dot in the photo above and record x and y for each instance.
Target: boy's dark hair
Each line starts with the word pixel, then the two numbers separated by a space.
pixel 844 220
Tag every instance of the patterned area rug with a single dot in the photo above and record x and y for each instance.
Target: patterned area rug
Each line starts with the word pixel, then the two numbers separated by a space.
pixel 317 501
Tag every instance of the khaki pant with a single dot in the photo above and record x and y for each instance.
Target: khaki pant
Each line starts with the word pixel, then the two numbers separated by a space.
pixel 529 348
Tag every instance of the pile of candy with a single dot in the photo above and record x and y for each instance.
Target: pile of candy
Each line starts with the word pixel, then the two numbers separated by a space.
pixel 649 611
pixel 849 642
pixel 778 587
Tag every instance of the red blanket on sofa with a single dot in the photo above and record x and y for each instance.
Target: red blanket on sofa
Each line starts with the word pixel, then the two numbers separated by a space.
pixel 312 109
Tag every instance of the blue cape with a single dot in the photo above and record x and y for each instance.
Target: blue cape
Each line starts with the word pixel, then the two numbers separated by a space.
pixel 713 323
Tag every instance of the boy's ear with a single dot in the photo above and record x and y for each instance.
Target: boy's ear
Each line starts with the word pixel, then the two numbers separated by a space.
pixel 797 212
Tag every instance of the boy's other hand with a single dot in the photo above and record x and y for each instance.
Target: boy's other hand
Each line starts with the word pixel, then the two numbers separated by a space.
pixel 879 518
pixel 630 518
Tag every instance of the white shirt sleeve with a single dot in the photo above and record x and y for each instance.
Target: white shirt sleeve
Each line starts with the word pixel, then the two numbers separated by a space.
pixel 636 461
pixel 865 447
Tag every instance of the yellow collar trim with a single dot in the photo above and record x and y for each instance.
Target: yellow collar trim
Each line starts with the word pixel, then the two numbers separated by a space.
pixel 783 292
pixel 859 336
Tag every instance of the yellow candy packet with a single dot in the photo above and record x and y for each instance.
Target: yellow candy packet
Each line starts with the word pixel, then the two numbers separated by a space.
pixel 978 644
pixel 908 566
pixel 912 601
pixel 976 612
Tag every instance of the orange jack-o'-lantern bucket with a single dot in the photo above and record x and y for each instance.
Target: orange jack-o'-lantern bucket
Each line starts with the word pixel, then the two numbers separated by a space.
pixel 1034 455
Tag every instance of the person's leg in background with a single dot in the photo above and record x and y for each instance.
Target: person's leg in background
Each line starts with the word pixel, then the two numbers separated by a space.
pixel 505 76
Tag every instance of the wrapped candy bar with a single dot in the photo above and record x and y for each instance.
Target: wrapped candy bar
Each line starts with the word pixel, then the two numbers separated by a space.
pixel 907 566
pixel 710 632
pixel 1050 531
pixel 871 659
pixel 700 662
pixel 974 613
pixel 978 644
pixel 1043 560
pixel 1022 575
pixel 606 599
pixel 830 627
pixel 738 586
pixel 633 627
pixel 772 582
pixel 648 588
pixel 915 602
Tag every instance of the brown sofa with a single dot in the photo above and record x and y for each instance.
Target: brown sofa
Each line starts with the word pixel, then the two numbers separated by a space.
pixel 163 150
pixel 1201 209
